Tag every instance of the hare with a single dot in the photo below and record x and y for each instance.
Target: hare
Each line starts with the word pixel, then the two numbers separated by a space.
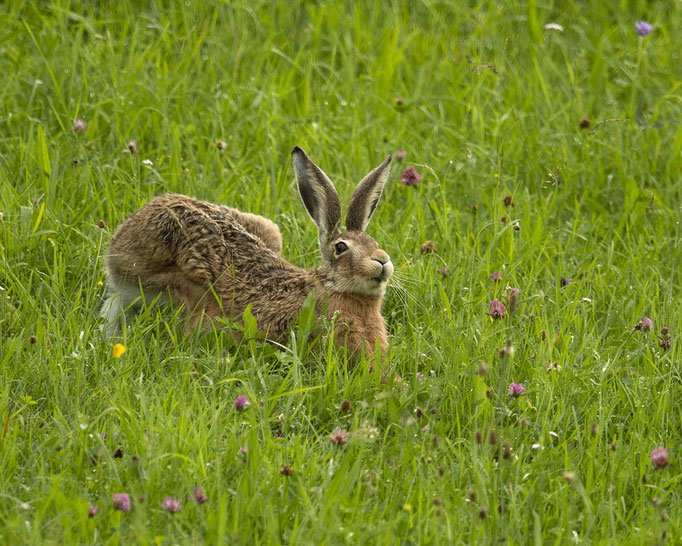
pixel 215 261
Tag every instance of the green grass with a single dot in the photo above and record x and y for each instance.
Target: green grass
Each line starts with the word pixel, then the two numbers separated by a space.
pixel 598 205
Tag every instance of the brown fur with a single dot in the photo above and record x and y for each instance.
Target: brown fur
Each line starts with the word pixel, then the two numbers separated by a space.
pixel 215 261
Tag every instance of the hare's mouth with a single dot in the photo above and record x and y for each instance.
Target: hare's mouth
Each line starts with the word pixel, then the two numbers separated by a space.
pixel 379 279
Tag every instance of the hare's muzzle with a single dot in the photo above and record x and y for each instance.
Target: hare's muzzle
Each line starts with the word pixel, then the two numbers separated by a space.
pixel 384 261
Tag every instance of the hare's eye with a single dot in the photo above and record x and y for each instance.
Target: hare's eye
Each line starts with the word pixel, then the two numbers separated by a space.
pixel 340 247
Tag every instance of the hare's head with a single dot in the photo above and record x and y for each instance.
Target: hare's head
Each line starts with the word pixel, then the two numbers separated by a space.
pixel 352 260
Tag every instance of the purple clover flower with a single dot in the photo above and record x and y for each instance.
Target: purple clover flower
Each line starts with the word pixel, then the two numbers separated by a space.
pixel 198 493
pixel 516 390
pixel 497 309
pixel 659 458
pixel 410 177
pixel 172 505
pixel 241 403
pixel 121 502
pixel 400 154
pixel 665 341
pixel 645 325
pixel 496 276
pixel 339 436
pixel 643 28
pixel 79 126
pixel 92 510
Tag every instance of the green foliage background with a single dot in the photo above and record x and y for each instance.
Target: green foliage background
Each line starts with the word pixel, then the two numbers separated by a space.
pixel 491 105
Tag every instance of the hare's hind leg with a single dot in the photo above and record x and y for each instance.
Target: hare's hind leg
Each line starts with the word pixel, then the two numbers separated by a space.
pixel 263 228
pixel 198 303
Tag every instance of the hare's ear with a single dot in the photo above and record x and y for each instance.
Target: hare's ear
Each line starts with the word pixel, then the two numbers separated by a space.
pixel 319 197
pixel 366 196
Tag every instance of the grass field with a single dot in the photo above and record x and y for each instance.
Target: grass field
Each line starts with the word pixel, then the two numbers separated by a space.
pixel 487 102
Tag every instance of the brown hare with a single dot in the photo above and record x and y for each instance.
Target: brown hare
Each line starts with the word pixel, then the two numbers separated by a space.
pixel 215 261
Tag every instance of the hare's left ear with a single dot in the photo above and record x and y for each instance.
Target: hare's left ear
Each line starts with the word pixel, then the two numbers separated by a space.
pixel 366 196
pixel 319 197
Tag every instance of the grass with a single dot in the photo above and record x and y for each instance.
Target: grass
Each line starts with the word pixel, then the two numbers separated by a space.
pixel 491 107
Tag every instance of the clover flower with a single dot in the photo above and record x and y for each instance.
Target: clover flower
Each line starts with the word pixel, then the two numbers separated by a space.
pixel 198 493
pixel 516 390
pixel 659 458
pixel 121 502
pixel 644 325
pixel 241 403
pixel 497 309
pixel 410 177
pixel 428 247
pixel 665 341
pixel 171 504
pixel 339 436
pixel 79 126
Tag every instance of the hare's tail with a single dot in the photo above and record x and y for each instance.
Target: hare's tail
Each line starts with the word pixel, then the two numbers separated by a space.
pixel 111 312
pixel 121 303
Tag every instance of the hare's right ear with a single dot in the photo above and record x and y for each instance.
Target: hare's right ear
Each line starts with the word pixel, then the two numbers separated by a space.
pixel 319 197
pixel 365 197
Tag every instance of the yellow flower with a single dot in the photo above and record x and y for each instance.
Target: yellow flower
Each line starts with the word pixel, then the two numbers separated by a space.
pixel 119 350
pixel 407 506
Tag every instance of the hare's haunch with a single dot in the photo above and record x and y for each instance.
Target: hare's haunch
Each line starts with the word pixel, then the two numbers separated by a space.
pixel 215 261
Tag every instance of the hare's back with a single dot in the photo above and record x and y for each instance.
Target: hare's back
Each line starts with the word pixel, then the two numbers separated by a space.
pixel 196 237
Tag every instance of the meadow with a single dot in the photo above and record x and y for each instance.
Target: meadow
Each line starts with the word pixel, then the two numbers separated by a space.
pixel 547 140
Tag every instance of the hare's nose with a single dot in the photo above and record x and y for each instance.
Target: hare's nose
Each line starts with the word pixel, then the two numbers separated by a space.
pixel 381 257
pixel 384 260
